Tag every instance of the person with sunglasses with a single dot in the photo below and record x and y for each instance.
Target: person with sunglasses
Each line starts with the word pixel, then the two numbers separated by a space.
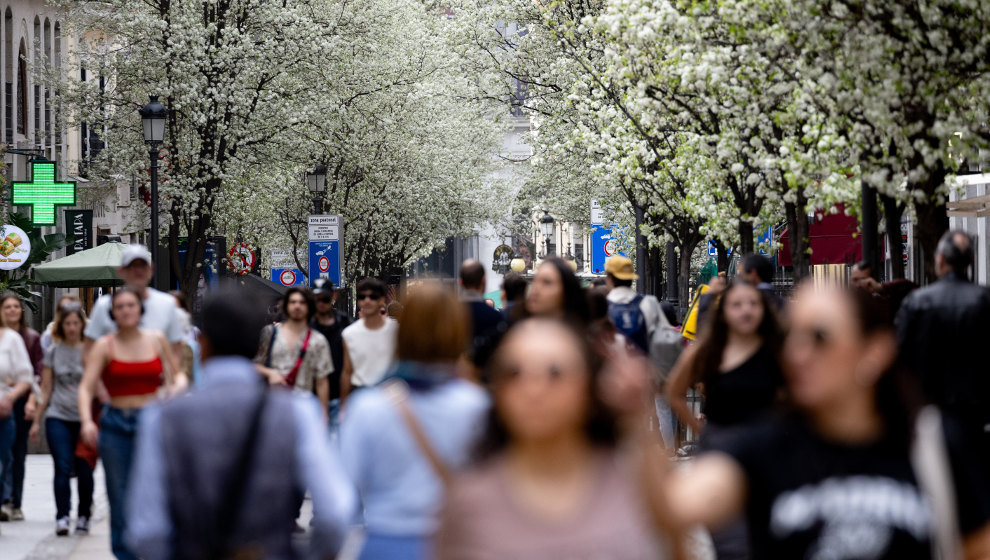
pixel 854 468
pixel 369 343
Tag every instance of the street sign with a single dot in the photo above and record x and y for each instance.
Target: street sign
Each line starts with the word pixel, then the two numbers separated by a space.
pixel 604 244
pixel 43 193
pixel 324 248
pixel 288 276
pixel 597 215
pixel 15 247
pixel 241 258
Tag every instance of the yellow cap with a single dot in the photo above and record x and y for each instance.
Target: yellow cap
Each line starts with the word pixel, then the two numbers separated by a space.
pixel 621 267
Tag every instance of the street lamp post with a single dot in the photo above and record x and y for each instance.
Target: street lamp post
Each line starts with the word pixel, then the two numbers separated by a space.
pixel 154 116
pixel 546 226
pixel 316 180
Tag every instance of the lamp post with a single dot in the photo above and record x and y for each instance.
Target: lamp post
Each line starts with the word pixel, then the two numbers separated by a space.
pixel 154 116
pixel 518 263
pixel 316 180
pixel 546 226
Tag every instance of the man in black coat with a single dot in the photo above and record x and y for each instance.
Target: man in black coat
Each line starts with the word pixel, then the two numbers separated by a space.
pixel 485 320
pixel 942 330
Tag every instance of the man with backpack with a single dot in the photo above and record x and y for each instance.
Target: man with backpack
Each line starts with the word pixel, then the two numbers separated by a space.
pixel 641 320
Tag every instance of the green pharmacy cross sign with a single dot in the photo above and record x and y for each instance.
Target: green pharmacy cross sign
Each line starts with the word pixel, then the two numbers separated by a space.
pixel 43 193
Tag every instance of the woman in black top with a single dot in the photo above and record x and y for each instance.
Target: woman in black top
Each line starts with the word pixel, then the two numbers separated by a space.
pixel 736 361
pixel 848 473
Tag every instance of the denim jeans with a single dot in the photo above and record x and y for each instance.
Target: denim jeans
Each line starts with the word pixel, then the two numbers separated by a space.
pixel 665 418
pixel 13 478
pixel 117 430
pixel 395 547
pixel 333 415
pixel 7 434
pixel 63 436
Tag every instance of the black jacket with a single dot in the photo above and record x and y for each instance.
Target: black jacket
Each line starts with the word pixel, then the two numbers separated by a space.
pixel 944 334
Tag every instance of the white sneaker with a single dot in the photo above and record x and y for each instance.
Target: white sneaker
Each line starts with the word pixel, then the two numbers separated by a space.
pixel 82 526
pixel 62 526
pixel 6 511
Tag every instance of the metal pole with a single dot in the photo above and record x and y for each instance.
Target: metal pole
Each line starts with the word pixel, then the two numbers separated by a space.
pixel 672 274
pixel 154 153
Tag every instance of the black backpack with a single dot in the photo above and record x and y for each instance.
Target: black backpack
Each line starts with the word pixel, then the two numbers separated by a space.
pixel 629 320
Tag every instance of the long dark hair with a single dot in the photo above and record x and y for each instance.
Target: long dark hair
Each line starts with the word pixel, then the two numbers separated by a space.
pixel 715 336
pixel 601 426
pixel 22 324
pixel 574 300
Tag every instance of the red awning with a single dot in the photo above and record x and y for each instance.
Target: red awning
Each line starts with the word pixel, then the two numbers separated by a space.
pixel 834 238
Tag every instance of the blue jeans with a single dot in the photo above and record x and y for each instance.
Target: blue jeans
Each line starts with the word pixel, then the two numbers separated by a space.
pixel 333 413
pixel 63 436
pixel 117 430
pixel 665 418
pixel 8 431
pixel 394 547
pixel 13 478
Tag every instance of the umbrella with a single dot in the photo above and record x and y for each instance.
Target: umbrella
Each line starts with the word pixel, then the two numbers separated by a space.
pixel 90 268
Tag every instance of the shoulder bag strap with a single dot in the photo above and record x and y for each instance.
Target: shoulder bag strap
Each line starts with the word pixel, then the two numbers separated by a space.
pixel 930 459
pixel 290 378
pixel 398 391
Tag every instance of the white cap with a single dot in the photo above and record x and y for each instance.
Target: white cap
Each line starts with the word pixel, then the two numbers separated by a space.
pixel 133 253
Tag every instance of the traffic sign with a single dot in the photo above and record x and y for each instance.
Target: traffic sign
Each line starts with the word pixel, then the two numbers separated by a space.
pixel 324 262
pixel 604 244
pixel 288 276
pixel 241 258
pixel 325 227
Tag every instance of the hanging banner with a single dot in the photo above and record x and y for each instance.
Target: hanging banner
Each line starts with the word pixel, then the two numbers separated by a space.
pixel 324 248
pixel 79 223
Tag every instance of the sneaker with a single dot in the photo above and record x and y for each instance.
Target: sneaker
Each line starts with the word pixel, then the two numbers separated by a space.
pixel 62 526
pixel 5 511
pixel 82 526
pixel 16 514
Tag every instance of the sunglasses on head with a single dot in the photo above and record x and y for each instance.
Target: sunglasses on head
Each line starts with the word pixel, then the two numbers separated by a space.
pixel 367 295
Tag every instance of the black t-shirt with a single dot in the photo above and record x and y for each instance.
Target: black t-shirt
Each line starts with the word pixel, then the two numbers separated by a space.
pixel 745 392
pixel 333 336
pixel 810 498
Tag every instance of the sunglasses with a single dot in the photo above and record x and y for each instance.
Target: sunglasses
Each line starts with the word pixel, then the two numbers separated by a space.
pixel 367 295
pixel 323 300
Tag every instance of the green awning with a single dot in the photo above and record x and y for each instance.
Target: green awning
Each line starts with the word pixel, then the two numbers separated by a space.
pixel 90 268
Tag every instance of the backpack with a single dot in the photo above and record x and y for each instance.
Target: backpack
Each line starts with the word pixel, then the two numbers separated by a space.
pixel 629 320
pixel 666 346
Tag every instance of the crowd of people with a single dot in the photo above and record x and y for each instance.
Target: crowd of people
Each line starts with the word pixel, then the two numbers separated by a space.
pixel 836 423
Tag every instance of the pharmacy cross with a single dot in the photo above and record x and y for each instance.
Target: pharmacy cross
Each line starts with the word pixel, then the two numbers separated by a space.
pixel 43 193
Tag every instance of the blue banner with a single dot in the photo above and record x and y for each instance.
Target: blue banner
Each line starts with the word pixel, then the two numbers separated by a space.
pixel 324 261
pixel 604 244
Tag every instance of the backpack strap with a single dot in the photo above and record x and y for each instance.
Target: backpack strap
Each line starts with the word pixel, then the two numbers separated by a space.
pixel 271 344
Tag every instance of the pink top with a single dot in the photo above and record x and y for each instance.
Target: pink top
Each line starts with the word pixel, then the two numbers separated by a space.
pixel 482 522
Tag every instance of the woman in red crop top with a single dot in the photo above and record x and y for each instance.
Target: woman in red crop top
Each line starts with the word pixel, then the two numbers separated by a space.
pixel 133 364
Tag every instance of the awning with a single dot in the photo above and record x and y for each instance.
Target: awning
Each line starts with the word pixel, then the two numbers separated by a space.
pixel 972 207
pixel 833 238
pixel 90 268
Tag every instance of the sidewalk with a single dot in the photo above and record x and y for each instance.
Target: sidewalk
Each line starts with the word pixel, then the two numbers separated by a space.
pixel 34 538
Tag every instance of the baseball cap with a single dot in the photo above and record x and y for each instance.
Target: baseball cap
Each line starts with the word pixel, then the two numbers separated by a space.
pixel 133 253
pixel 323 286
pixel 621 267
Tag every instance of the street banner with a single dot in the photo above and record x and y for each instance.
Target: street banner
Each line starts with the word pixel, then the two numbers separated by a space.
pixel 79 224
pixel 325 248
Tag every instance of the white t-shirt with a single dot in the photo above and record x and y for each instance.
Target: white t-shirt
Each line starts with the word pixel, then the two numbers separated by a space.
pixel 372 351
pixel 160 314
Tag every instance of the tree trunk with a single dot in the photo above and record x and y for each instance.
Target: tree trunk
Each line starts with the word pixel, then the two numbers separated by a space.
pixel 673 290
pixel 933 222
pixel 746 240
pixel 721 256
pixel 799 232
pixel 893 213
pixel 684 270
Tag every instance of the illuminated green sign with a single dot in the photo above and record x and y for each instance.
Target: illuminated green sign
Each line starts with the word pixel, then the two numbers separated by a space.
pixel 43 193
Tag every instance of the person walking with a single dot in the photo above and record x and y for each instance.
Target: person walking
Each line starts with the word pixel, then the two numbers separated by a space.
pixel 58 408
pixel 294 355
pixel 513 297
pixel 369 342
pixel 132 363
pixel 939 329
pixel 556 292
pixel 16 376
pixel 636 316
pixel 551 481
pixel 65 301
pixel 399 453
pixel 758 271
pixel 331 324
pixel 198 489
pixel 483 320
pixel 12 312
pixel 161 313
pixel 855 469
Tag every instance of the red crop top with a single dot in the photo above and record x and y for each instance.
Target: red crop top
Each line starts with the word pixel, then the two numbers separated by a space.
pixel 124 379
